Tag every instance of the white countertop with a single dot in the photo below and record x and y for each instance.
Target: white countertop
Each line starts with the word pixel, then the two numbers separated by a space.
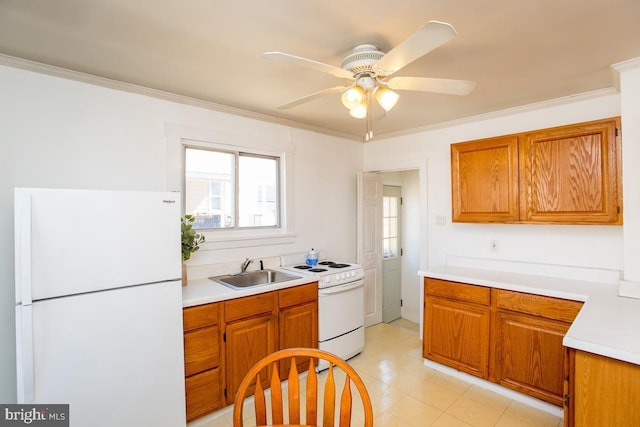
pixel 204 291
pixel 608 325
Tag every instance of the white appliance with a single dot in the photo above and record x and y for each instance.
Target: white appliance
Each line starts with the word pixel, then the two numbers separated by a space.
pixel 340 305
pixel 99 306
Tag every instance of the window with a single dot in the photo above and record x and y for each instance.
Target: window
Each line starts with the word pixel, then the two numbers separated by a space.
pixel 231 190
pixel 390 226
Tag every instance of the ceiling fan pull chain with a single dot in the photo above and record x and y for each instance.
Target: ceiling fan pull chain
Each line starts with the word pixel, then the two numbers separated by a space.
pixel 369 135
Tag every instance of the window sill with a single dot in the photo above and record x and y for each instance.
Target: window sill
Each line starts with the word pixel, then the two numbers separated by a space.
pixel 240 239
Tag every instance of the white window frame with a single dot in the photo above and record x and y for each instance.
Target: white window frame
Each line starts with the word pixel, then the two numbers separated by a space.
pixel 178 137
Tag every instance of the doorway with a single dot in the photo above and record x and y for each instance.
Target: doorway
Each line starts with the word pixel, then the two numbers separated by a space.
pixel 391 253
pixel 370 243
pixel 407 294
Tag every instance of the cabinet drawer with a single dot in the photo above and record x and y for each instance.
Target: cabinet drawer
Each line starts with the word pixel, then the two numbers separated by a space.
pixel 458 291
pixel 200 316
pixel 254 305
pixel 201 350
pixel 297 295
pixel 203 393
pixel 537 305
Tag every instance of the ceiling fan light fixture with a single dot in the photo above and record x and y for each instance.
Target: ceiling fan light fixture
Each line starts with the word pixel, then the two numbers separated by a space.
pixel 359 111
pixel 353 97
pixel 386 98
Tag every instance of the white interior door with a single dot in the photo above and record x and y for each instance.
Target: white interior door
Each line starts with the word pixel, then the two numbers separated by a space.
pixel 391 248
pixel 370 188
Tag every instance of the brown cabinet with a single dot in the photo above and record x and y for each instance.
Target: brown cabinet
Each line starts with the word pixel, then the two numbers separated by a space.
pixel 484 180
pixel 258 325
pixel 510 338
pixel 566 175
pixel 298 320
pixel 603 392
pixel 222 341
pixel 250 335
pixel 456 325
pixel 529 356
pixel 204 384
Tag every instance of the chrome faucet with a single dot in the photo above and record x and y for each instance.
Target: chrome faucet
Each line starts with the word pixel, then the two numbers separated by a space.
pixel 245 264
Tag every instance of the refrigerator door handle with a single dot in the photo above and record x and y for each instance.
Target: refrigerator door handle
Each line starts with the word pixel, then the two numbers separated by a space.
pixel 23 248
pixel 24 354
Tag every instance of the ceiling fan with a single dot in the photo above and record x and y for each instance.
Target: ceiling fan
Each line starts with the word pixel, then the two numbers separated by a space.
pixel 369 70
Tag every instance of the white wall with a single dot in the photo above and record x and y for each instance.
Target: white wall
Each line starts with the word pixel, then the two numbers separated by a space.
pixel 630 100
pixel 62 133
pixel 590 246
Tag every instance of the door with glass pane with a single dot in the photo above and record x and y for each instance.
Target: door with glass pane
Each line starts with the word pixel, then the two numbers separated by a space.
pixel 391 278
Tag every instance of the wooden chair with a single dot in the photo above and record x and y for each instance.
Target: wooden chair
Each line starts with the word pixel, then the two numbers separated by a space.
pixel 274 361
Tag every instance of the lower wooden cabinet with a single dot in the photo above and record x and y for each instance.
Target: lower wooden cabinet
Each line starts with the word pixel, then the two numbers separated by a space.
pixel 457 335
pixel 456 325
pixel 204 385
pixel 603 392
pixel 530 355
pixel 510 338
pixel 298 321
pixel 223 340
pixel 204 393
pixel 250 338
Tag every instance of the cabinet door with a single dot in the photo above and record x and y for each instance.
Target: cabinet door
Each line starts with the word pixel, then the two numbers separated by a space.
pixel 247 341
pixel 530 356
pixel 201 351
pixel 298 328
pixel 457 335
pixel 569 174
pixel 606 392
pixel 203 393
pixel 484 180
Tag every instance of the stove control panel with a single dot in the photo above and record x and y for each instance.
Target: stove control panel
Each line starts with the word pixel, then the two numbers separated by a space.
pixel 334 279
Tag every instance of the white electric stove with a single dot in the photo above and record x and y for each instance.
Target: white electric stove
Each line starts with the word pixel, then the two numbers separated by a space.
pixel 340 305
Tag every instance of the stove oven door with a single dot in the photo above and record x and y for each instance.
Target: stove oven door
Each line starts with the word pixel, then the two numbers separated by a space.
pixel 340 309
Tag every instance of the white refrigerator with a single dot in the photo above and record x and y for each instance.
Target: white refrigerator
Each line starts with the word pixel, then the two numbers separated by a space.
pixel 99 306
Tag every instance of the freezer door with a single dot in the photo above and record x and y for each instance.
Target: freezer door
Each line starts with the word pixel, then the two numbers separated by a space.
pixel 116 357
pixel 74 241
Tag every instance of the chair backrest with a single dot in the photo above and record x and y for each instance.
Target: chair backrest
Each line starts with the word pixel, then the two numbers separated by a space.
pixel 273 361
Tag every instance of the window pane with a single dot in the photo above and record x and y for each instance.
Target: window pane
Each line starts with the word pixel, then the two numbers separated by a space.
pixel 209 187
pixel 393 206
pixel 257 190
pixel 393 227
pixel 390 227
pixel 393 245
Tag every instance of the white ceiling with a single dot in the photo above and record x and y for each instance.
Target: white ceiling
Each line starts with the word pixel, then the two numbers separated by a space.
pixel 518 51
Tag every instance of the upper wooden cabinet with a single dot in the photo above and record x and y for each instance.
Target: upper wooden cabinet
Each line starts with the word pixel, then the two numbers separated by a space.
pixel 484 180
pixel 565 175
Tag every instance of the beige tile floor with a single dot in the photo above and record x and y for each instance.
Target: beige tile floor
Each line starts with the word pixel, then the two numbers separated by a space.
pixel 404 392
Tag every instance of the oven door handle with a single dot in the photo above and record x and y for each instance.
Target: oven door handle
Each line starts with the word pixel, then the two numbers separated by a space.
pixel 341 288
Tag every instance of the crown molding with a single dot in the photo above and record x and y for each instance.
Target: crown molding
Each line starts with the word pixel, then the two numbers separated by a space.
pixel 507 112
pixel 54 71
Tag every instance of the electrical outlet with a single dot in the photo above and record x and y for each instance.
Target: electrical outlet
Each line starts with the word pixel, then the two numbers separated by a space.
pixel 441 220
pixel 493 245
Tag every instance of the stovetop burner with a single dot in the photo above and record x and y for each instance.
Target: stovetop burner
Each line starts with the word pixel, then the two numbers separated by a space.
pixel 318 270
pixel 333 264
pixel 302 267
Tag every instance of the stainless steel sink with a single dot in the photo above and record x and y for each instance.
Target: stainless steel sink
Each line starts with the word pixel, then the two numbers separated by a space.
pixel 254 278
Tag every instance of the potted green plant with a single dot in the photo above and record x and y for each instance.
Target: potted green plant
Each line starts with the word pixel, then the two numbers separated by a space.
pixel 191 240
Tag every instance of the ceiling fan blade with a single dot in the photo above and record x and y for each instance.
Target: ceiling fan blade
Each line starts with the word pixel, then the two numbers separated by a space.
pixel 313 96
pixel 430 36
pixel 309 63
pixel 427 84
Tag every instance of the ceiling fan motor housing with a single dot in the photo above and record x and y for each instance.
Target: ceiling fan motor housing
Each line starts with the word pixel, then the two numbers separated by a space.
pixel 362 59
